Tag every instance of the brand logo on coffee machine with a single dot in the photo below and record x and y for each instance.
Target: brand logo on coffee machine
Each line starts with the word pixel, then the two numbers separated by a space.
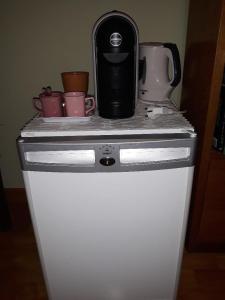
pixel 115 39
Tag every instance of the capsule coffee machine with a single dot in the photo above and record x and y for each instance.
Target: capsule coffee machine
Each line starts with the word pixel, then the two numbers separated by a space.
pixel 115 57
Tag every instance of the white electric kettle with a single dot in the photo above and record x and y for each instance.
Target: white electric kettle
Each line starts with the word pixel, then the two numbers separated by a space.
pixel 156 62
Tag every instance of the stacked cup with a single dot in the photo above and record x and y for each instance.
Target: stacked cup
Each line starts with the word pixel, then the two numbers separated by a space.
pixel 75 86
pixel 49 103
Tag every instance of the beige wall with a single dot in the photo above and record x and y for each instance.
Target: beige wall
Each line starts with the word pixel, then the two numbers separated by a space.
pixel 40 39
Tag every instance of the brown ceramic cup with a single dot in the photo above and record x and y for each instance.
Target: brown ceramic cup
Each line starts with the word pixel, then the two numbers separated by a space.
pixel 75 81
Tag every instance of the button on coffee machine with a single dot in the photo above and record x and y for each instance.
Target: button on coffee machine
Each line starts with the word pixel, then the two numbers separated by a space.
pixel 115 51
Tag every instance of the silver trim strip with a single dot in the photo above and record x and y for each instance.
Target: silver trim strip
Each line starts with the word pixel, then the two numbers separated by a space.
pixel 108 149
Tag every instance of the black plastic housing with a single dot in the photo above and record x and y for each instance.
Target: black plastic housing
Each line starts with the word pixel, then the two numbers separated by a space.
pixel 115 44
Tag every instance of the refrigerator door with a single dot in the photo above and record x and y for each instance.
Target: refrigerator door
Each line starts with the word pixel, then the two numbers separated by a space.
pixel 111 236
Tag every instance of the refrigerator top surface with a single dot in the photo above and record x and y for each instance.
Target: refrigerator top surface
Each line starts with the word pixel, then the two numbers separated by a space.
pixel 95 125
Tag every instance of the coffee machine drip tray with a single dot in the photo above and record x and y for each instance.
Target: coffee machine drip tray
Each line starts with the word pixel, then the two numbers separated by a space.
pixel 138 124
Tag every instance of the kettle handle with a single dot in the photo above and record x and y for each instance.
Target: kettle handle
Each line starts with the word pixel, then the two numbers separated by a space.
pixel 176 63
pixel 142 69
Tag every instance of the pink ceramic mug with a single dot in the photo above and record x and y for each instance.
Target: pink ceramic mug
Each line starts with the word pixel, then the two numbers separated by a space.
pixel 49 105
pixel 75 104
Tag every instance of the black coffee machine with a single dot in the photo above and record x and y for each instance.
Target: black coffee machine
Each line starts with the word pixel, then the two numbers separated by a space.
pixel 115 57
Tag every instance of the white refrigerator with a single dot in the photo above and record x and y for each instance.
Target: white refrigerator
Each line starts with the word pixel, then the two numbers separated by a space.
pixel 109 206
